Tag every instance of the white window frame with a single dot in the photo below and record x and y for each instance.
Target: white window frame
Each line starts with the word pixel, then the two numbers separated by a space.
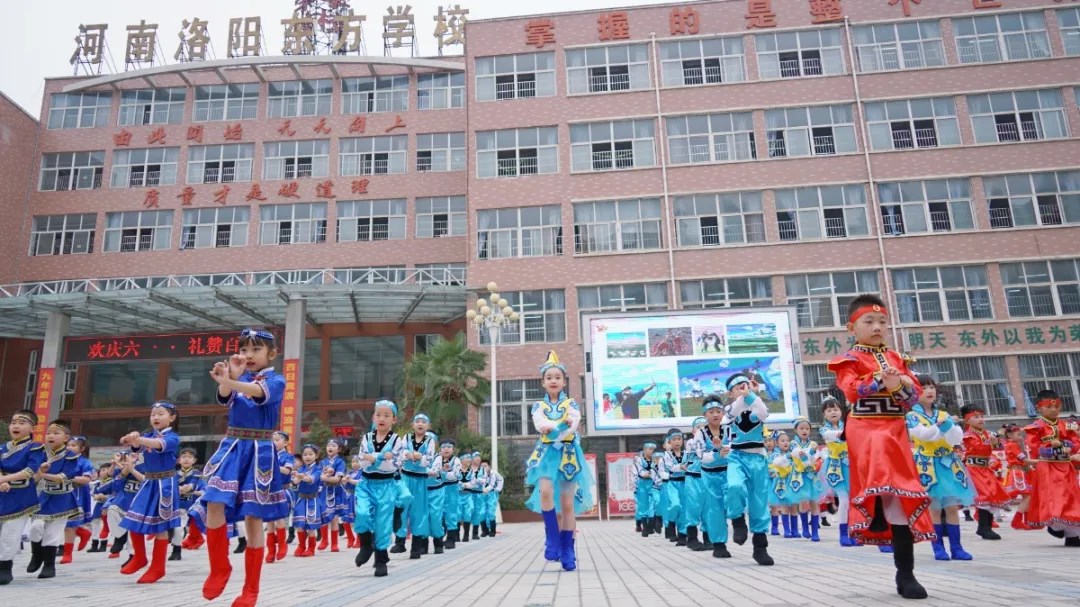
pixel 133 231
pixel 215 227
pixel 607 226
pixel 607 69
pixel 526 75
pixel 282 160
pixel 612 146
pixel 440 91
pixel 295 98
pixel 801 131
pixel 144 167
pixel 725 292
pixel 375 94
pixel 32 369
pixel 444 274
pixel 980 380
pixel 63 234
pixel 84 110
pixel 1069 26
pixel 696 62
pixel 711 220
pixel 920 207
pixel 514 145
pixel 1015 116
pixel 151 106
pixel 803 214
pixel 1033 199
pixel 1005 37
pixel 226 163
pixel 626 297
pixel 441 152
pixel 1057 371
pixel 441 216
pixel 519 232
pixel 541 318
pixel 80 170
pixel 908 124
pixel 705 138
pixel 371 220
pixel 290 224
pixel 908 45
pixel 1041 289
pixel 821 299
pixel 937 294
pixel 371 275
pixel 516 397
pixel 383 155
pixel 220 102
pixel 817 52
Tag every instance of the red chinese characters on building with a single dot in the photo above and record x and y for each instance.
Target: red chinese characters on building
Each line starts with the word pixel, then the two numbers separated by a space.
pixel 905 5
pixel 360 186
pixel 684 21
pixel 255 193
pixel 359 124
pixel 203 345
pixel 195 133
pixel 222 196
pixel 613 26
pixel 977 4
pixel 399 123
pixel 826 11
pixel 760 14
pixel 290 370
pixel 288 190
pixel 325 189
pixel 321 127
pixel 151 200
pixel 149 347
pixel 234 132
pixel 286 128
pixel 157 136
pixel 122 139
pixel 540 33
pixel 186 196
pixel 114 350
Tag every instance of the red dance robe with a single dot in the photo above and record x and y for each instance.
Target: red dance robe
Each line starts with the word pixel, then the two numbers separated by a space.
pixel 980 460
pixel 1018 478
pixel 1055 493
pixel 878 448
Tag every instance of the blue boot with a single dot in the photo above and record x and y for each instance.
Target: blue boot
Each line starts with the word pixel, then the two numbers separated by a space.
pixel 552 545
pixel 958 552
pixel 815 522
pixel 845 539
pixel 775 522
pixel 787 524
pixel 803 516
pixel 886 548
pixel 567 554
pixel 940 554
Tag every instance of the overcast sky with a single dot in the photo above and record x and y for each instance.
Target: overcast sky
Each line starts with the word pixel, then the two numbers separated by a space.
pixel 41 41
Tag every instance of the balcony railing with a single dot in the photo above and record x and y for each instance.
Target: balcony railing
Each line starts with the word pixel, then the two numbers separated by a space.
pixel 711 74
pixel 940 221
pixel 1050 213
pixel 894 224
pixel 789 229
pixel 811 66
pixel 511 90
pixel 789 68
pixel 609 82
pixel 835 227
pixel 224 239
pixel 607 159
pixel 926 138
pixel 777 148
pixel 824 145
pixel 1001 218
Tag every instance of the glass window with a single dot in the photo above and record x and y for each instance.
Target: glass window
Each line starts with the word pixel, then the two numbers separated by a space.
pixel 602 69
pixel 541 317
pixel 606 146
pixel 800 54
pixel 1069 22
pixel 836 211
pixel 220 163
pixel 1057 372
pixel 519 232
pixel 942 294
pixel 1009 37
pixel 515 76
pixel 621 298
pixel 301 223
pixel 703 61
pixel 909 124
pixel 982 381
pixel 138 231
pixel 1041 288
pixel 708 220
pixel 79 110
pixel 1033 199
pixel 373 155
pixel 296 159
pixel 711 138
pixel 440 152
pixel 300 98
pixel 152 106
pixel 312 369
pixel 214 227
pixel 918 207
pixel 365 367
pixel 375 94
pixel 366 220
pixel 226 102
pixel 440 91
pixel 63 234
pixel 821 300
pixel 146 167
pixel 71 171
pixel 371 275
pixel 445 274
pixel 440 216
pixel 124 385
pixel 898 46
pixel 517 152
pixel 1018 116
pixel 617 225
pixel 810 131
pixel 190 384
pixel 726 292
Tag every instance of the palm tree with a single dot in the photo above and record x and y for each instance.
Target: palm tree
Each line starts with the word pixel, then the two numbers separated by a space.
pixel 444 382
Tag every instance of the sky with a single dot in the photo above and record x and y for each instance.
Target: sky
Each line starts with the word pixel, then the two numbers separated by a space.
pixel 43 40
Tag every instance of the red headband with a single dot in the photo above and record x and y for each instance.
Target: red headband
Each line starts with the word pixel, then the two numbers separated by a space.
pixel 867 310
pixel 971 414
pixel 1048 402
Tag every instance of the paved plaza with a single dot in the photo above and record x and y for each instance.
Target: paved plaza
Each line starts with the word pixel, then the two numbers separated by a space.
pixel 617 567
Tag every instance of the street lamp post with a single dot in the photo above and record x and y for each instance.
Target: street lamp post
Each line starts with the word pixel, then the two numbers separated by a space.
pixel 492 314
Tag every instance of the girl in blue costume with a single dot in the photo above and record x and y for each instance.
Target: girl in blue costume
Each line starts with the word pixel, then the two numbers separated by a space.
pixel 563 485
pixel 834 471
pixel 80 526
pixel 351 480
pixel 156 507
pixel 693 511
pixel 781 496
pixel 276 547
pixel 474 492
pixel 58 475
pixel 464 500
pixel 673 466
pixel 333 470
pixel 242 483
pixel 308 515
pixel 20 458
pixel 381 457
pixel 940 469
pixel 804 458
pixel 644 512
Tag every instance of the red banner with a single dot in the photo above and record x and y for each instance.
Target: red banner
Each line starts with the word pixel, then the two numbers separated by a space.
pixel 46 378
pixel 288 402
pixel 342 431
pixel 621 483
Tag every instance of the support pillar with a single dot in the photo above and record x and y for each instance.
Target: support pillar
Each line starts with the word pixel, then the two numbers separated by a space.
pixel 47 397
pixel 292 367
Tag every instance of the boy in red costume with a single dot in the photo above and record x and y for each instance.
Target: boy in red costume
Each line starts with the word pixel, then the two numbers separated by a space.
pixel 979 446
pixel 889 504
pixel 1055 496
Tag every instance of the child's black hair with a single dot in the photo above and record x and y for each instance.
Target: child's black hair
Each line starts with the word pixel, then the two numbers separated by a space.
pixel 257 336
pixel 188 451
pixel 969 409
pixel 831 401
pixel 63 423
pixel 866 299
pixel 925 379
pixel 1046 395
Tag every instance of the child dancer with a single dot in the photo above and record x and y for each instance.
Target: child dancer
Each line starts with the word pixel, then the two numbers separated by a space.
pixel 381 453
pixel 334 494
pixel 748 473
pixel 493 490
pixel 436 503
pixel 1018 476
pixel 890 504
pixel 782 498
pixel 449 467
pixel 1055 493
pixel 474 490
pixel 153 510
pixel 978 453
pixel 348 517
pixel 241 483
pixel 673 471
pixel 557 467
pixel 643 472
pixel 189 484
pixel 98 530
pixel 694 493
pixel 57 475
pixel 126 480
pixel 835 469
pixel 940 470
pixel 418 452
pixel 712 453
pixel 660 496
pixel 308 514
pixel 19 459
pixel 79 526
pixel 804 464
pixel 276 547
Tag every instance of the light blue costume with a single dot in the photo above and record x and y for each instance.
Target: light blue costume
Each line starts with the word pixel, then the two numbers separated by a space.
pixel 714 467
pixel 835 474
pixel 414 475
pixel 449 495
pixel 491 500
pixel 474 485
pixel 464 501
pixel 673 467
pixel 694 492
pixel 804 482
pixel 376 493
pixel 748 471
pixel 644 506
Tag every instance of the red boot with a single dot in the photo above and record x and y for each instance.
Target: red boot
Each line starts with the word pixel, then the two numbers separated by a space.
pixel 104 535
pixel 271 551
pixel 333 541
pixel 138 561
pixel 253 558
pixel 198 538
pixel 325 537
pixel 349 534
pixel 217 548
pixel 68 549
pixel 282 545
pixel 301 546
pixel 310 545
pixel 84 537
pixel 157 565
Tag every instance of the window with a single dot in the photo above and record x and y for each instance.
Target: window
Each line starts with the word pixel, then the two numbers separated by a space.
pixel 375 94
pixel 917 207
pixel 603 69
pixel 445 274
pixel 918 123
pixel 709 220
pixel 296 159
pixel 373 155
pixel 138 231
pixel 152 106
pixel 820 382
pixel 79 110
pixel 541 318
pixel 514 152
pixel 726 292
pixel 605 146
pixel 189 383
pixel 833 211
pixel 312 369
pixel 617 225
pixel 800 54
pixel 519 232
pixel 365 367
pixel 1057 372
pixel 300 223
pixel 422 342
pixel 1069 22
pixel 214 227
pixel 1040 288
pixel 1012 37
pixel 31 379
pixel 898 46
pixel 146 167
pixel 440 91
pixel 1020 116
pixel 942 294
pixel 123 385
pixel 622 298
pixel 63 234
pixel 220 163
pixel 515 76
pixel 516 397
pixel 440 152
pixel 440 216
pixel 300 98
pixel 226 102
pixel 810 131
pixel 704 61
pixel 711 138
pixel 821 300
pixel 72 170
pixel 976 380
pixel 376 275
pixel 1029 199
pixel 364 220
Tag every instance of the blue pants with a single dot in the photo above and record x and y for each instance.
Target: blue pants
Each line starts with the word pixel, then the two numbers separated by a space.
pixel 491 505
pixel 451 501
pixel 748 489
pixel 714 492
pixel 663 502
pixel 404 496
pixel 435 513
pixel 375 509
pixel 673 491
pixel 415 516
pixel 643 498
pixel 466 502
pixel 690 515
pixel 479 506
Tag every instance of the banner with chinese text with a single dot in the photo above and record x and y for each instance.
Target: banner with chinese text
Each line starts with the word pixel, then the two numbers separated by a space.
pixel 46 379
pixel 150 347
pixel 289 369
pixel 621 483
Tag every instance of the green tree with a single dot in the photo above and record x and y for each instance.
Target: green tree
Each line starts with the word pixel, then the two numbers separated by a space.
pixel 317 434
pixel 444 383
pixel 4 436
